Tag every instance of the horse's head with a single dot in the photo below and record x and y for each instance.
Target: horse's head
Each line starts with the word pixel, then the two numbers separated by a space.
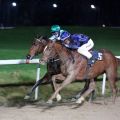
pixel 49 52
pixel 37 47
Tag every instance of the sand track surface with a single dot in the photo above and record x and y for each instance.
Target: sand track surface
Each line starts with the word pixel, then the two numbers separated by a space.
pixel 64 111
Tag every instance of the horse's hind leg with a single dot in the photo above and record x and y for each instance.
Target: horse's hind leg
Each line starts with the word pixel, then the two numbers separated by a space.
pixel 86 86
pixel 112 80
pixel 86 93
pixel 87 82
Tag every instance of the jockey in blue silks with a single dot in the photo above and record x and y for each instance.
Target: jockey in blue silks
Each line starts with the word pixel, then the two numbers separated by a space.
pixel 81 42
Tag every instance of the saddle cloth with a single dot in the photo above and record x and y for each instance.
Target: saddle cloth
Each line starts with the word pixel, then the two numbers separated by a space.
pixel 96 55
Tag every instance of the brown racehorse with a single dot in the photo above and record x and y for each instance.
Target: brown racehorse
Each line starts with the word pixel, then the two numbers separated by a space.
pixel 53 67
pixel 78 70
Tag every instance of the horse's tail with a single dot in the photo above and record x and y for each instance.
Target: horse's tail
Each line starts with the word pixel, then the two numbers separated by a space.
pixel 118 61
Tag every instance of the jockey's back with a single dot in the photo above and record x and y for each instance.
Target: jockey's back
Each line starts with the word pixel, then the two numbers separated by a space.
pixel 78 40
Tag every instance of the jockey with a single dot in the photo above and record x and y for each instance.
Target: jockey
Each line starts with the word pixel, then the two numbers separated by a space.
pixel 57 33
pixel 82 43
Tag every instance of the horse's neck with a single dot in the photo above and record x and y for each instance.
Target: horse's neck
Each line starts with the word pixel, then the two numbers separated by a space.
pixel 62 53
pixel 66 55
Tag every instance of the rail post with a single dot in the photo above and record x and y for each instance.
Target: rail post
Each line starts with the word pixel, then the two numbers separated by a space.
pixel 103 84
pixel 37 78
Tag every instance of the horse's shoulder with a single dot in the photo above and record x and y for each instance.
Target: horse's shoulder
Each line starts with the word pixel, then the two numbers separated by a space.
pixel 74 52
pixel 77 55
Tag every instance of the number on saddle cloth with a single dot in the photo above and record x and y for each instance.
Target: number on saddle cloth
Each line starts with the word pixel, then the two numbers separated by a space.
pixel 97 55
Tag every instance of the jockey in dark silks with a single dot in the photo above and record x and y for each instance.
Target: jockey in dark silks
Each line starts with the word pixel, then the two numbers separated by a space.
pixel 82 43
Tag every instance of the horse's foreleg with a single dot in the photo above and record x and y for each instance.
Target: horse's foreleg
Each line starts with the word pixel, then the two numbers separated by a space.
pixel 84 95
pixel 55 85
pixel 67 81
pixel 45 79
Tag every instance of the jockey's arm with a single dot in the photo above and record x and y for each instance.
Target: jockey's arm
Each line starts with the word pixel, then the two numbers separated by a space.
pixel 53 38
pixel 71 46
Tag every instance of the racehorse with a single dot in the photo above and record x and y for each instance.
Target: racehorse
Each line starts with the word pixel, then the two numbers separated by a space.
pixel 53 67
pixel 79 70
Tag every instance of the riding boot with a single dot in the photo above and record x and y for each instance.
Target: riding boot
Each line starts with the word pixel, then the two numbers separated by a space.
pixel 91 61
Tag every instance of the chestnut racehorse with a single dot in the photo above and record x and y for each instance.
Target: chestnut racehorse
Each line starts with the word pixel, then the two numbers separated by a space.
pixel 79 70
pixel 53 67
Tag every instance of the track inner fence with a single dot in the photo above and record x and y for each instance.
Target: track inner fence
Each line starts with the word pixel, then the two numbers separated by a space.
pixel 36 61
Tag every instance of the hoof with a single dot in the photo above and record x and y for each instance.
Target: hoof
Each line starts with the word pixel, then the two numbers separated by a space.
pixel 73 99
pixel 49 102
pixel 27 97
pixel 58 97
pixel 80 100
pixel 78 96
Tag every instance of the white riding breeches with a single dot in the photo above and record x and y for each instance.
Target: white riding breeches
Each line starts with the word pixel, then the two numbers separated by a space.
pixel 84 49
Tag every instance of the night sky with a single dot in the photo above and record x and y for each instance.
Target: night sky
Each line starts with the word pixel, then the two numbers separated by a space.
pixel 68 12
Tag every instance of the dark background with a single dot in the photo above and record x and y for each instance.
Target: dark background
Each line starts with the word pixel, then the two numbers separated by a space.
pixel 68 12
